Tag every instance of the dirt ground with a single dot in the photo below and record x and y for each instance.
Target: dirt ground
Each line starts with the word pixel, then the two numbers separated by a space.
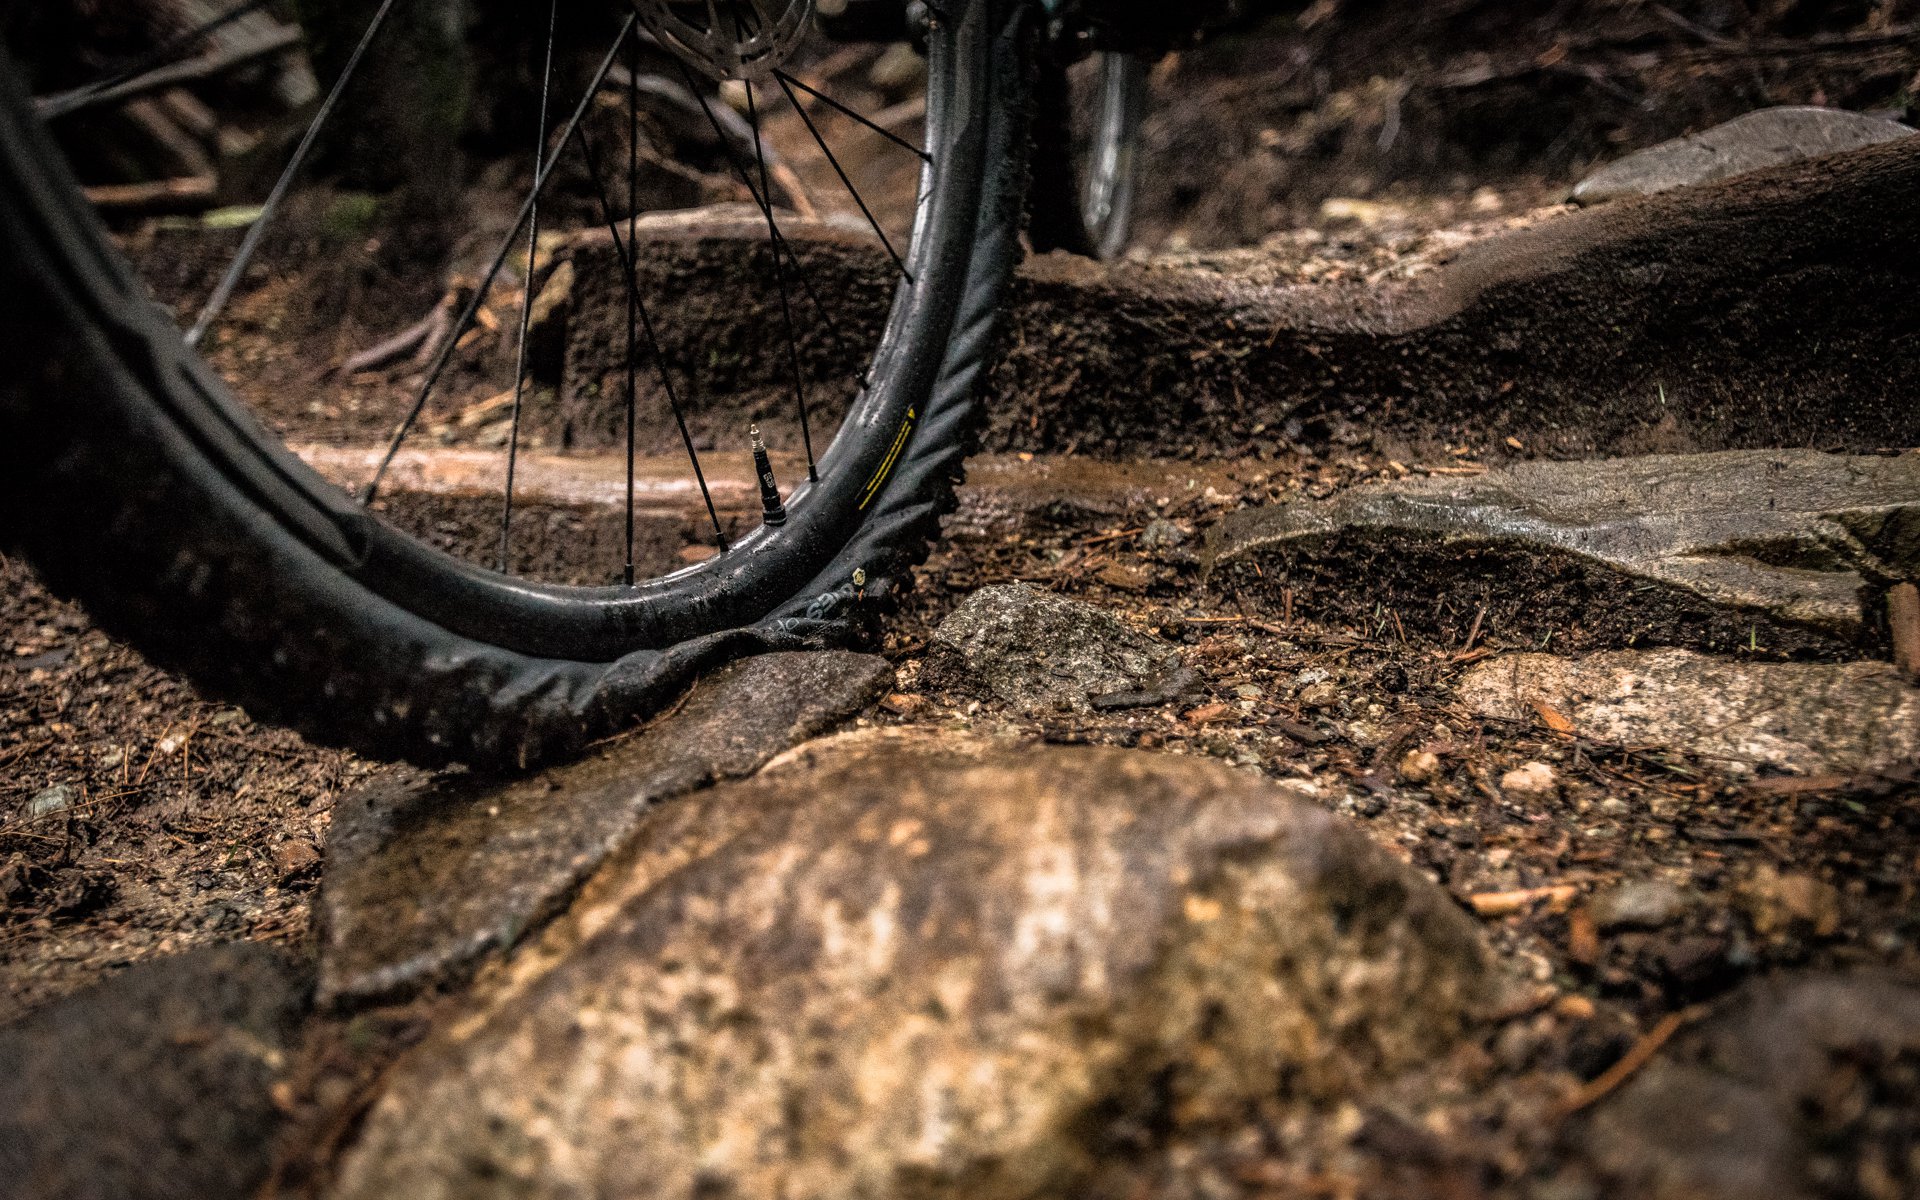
pixel 1345 139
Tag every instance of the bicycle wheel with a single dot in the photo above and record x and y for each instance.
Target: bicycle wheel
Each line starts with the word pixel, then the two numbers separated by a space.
pixel 135 481
pixel 1087 168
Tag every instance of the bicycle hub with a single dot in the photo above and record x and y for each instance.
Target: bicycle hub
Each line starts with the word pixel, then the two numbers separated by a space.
pixel 729 39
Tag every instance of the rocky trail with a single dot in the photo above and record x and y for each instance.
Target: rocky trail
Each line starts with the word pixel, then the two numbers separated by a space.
pixel 1426 704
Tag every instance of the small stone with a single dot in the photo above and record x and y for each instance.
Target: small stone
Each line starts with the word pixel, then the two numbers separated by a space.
pixel 1419 766
pixel 1366 213
pixel 296 855
pixel 1696 962
pixel 1614 806
pixel 898 69
pixel 1366 735
pixel 1583 937
pixel 1792 904
pixel 1324 694
pixel 1208 714
pixel 1638 904
pixel 1249 691
pixel 1530 781
pixel 1039 653
pixel 1162 534
pixel 1127 576
pixel 48 801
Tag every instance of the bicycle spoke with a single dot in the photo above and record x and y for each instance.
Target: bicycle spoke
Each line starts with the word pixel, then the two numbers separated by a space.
pixel 526 299
pixel 765 205
pixel 841 172
pixel 110 87
pixel 630 272
pixel 633 284
pixel 460 326
pixel 780 283
pixel 843 110
pixel 258 230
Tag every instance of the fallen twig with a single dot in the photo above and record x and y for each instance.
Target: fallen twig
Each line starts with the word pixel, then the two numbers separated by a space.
pixel 1601 1085
pixel 207 66
pixel 426 332
pixel 1505 904
pixel 189 193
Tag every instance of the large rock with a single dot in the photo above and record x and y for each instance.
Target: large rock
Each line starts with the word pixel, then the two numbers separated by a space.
pixel 1785 547
pixel 152 1084
pixel 1766 138
pixel 1812 717
pixel 1798 1087
pixel 1037 652
pixel 892 966
pixel 427 875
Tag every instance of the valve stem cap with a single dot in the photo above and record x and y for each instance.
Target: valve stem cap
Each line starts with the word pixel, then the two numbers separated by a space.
pixel 772 511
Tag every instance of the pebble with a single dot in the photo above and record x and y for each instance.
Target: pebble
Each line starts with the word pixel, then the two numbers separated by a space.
pixel 1162 534
pixel 1639 904
pixel 55 799
pixel 1530 781
pixel 1419 766
pixel 296 855
pixel 903 704
pixel 1037 652
pixel 1208 714
pixel 1789 904
pixel 1319 695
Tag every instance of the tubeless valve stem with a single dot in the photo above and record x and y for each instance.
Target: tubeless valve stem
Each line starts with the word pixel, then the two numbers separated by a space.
pixel 772 512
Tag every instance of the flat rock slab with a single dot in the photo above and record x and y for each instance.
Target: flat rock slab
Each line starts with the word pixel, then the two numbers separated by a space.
pixel 1037 653
pixel 1798 1087
pixel 895 965
pixel 1819 718
pixel 1786 548
pixel 1767 138
pixel 426 876
pixel 152 1084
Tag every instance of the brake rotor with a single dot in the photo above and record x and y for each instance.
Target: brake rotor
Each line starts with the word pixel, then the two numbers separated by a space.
pixel 729 39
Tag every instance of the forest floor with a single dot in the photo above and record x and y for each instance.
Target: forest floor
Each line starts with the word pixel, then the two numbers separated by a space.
pixel 138 819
